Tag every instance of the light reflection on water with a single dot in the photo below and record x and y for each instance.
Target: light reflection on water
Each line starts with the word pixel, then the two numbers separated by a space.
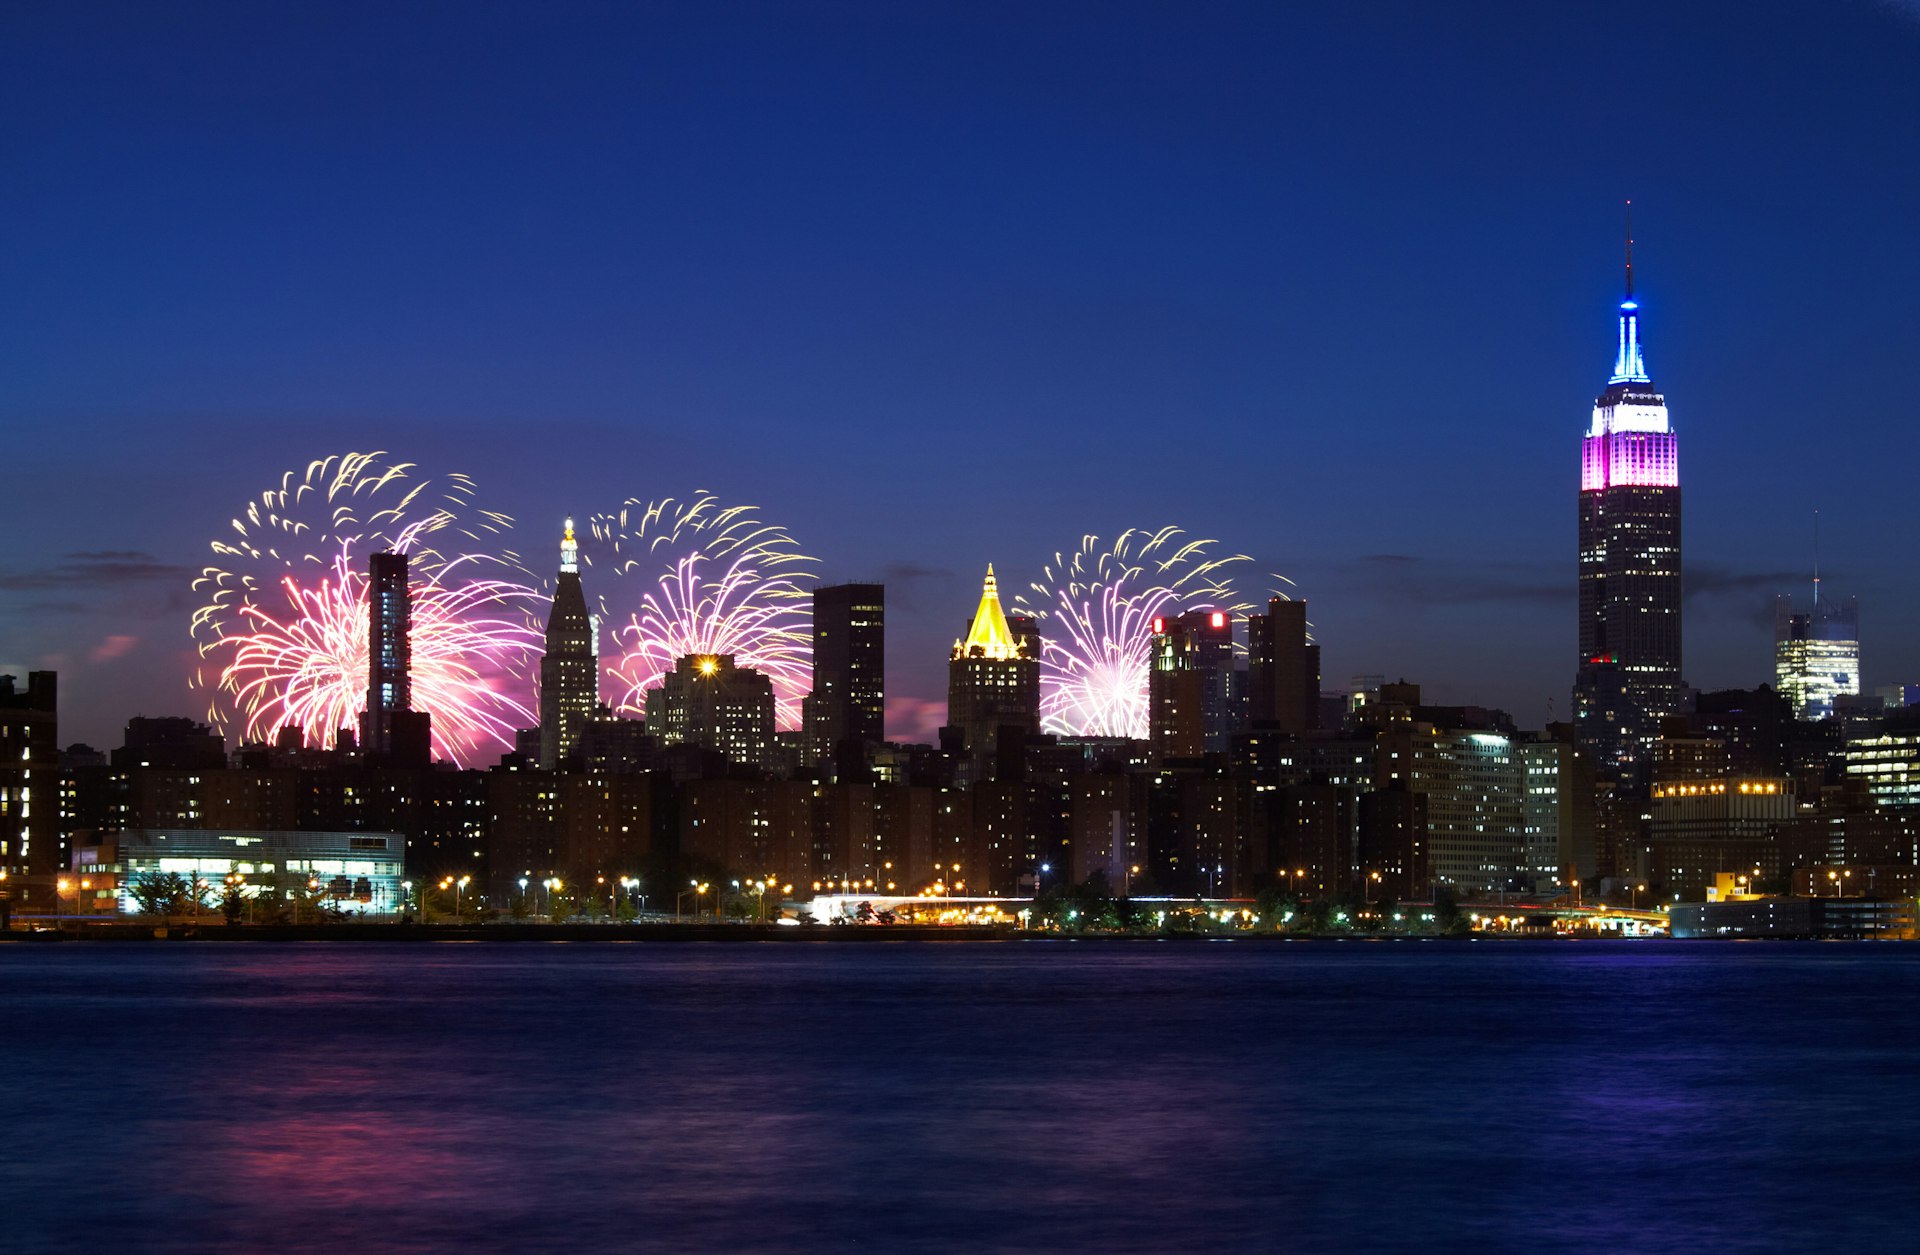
pixel 1130 1097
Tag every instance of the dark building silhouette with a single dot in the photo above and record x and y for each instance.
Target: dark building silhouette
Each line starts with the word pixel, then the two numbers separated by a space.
pixel 1629 563
pixel 847 709
pixel 570 668
pixel 171 742
pixel 993 680
pixel 30 852
pixel 1283 668
pixel 391 730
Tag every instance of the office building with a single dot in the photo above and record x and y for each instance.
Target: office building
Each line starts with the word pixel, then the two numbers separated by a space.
pixel 391 730
pixel 1629 563
pixel 847 709
pixel 1816 654
pixel 1190 685
pixel 1283 668
pixel 708 702
pixel 993 679
pixel 570 668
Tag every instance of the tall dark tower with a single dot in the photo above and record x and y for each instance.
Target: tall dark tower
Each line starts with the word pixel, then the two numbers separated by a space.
pixel 1283 668
pixel 847 709
pixel 1629 671
pixel 1189 684
pixel 391 729
pixel 570 669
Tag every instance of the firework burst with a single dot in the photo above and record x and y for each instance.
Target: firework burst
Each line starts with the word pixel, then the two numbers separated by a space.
pixel 283 633
pixel 1098 608
pixel 708 579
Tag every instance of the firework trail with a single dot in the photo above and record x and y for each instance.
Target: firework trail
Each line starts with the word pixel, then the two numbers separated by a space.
pixel 1098 608
pixel 706 579
pixel 282 635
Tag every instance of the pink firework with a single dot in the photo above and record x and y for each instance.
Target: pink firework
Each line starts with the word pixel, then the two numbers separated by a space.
pixel 708 580
pixel 1097 611
pixel 285 633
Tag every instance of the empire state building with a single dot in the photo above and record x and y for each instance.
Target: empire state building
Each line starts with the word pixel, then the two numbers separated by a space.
pixel 1629 669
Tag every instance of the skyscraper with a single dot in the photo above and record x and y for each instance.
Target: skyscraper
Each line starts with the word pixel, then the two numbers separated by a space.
pixel 1190 684
pixel 707 701
pixel 570 669
pixel 391 729
pixel 846 712
pixel 993 678
pixel 1283 669
pixel 1816 655
pixel 1629 563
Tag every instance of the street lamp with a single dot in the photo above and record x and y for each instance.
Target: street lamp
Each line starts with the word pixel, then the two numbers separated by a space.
pixel 458 885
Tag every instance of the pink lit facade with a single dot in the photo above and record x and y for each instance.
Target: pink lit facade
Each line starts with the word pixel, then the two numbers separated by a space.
pixel 1648 459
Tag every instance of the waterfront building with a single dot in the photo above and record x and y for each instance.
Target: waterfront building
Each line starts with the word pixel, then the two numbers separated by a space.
pixel 570 668
pixel 1629 563
pixel 1704 828
pixel 30 853
pixel 1816 654
pixel 1475 785
pixel 993 679
pixel 356 872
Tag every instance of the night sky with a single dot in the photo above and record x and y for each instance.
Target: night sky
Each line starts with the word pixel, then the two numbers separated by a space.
pixel 939 285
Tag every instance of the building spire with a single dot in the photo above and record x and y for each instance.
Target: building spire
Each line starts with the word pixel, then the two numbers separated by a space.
pixel 569 552
pixel 1629 250
pixel 990 633
pixel 1629 364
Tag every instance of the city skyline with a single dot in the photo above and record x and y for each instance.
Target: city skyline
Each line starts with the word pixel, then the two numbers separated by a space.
pixel 1358 365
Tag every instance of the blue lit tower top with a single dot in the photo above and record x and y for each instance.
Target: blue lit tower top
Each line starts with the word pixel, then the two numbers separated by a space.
pixel 1628 365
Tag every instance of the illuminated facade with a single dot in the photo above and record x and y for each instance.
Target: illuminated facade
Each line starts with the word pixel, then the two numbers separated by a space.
pixel 356 872
pixel 993 677
pixel 1816 655
pixel 1629 521
pixel 1190 685
pixel 570 669
pixel 709 702
pixel 1887 764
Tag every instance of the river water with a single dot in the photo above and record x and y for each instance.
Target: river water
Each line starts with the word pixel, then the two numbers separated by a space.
pixel 1191 1096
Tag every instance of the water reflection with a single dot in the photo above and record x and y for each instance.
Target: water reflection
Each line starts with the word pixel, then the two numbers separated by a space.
pixel 1122 1097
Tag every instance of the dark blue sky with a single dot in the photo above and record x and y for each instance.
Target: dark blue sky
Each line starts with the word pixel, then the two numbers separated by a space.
pixel 943 285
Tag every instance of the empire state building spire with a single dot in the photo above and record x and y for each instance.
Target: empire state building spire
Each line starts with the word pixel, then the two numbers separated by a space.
pixel 1629 365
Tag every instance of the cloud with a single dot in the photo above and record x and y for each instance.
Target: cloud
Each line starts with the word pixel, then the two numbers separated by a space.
pixel 102 568
pixel 914 719
pixel 1448 582
pixel 116 646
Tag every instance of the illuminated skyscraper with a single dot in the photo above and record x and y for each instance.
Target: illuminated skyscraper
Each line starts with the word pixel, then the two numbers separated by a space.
pixel 1629 670
pixel 570 669
pixel 993 679
pixel 391 729
pixel 1816 655
pixel 1190 684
